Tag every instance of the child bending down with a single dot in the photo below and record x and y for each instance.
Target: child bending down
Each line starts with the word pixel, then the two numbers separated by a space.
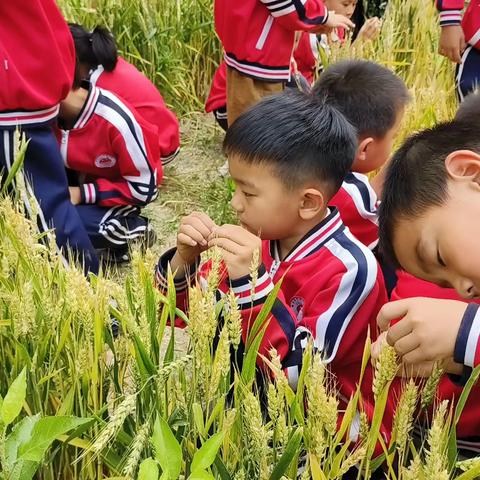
pixel 113 153
pixel 286 170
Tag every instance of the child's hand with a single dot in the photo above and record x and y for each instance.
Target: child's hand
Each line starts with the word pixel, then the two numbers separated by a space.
pixel 237 246
pixel 192 238
pixel 370 29
pixel 452 43
pixel 335 20
pixel 427 329
pixel 75 196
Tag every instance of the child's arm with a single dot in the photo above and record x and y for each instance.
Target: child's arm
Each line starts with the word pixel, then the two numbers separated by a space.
pixel 452 39
pixel 433 330
pixel 308 16
pixel 238 247
pixel 184 260
pixel 136 152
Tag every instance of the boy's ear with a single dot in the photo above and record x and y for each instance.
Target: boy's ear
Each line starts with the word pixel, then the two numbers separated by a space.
pixel 312 203
pixel 463 165
pixel 362 148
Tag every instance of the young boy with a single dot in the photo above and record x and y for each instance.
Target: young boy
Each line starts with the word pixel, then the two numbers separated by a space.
pixel 460 41
pixel 258 37
pixel 373 100
pixel 285 171
pixel 427 226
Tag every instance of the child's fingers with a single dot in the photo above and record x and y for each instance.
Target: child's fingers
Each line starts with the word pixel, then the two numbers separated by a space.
pixel 231 232
pixel 196 224
pixel 398 331
pixel 193 234
pixel 225 244
pixel 205 219
pixel 391 311
pixel 406 344
pixel 186 240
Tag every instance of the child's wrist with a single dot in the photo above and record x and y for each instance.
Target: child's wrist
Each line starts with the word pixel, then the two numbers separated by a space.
pixel 180 265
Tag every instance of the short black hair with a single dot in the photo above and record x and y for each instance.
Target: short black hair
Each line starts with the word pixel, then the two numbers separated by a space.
pixel 369 95
pixel 417 179
pixel 469 109
pixel 300 136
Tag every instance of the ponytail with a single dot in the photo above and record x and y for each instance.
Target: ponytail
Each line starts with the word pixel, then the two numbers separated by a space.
pixel 104 48
pixel 95 48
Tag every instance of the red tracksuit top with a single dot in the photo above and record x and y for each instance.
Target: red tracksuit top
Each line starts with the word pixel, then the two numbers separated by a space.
pixel 130 84
pixel 37 61
pixel 451 14
pixel 258 35
pixel 332 289
pixel 469 424
pixel 114 150
pixel 306 56
pixel 358 204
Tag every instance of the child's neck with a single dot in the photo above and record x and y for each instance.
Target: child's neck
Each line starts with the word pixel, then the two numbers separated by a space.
pixel 285 245
pixel 71 107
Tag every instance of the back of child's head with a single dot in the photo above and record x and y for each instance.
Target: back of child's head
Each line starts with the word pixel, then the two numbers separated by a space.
pixel 370 96
pixel 302 138
pixel 469 109
pixel 93 48
pixel 417 177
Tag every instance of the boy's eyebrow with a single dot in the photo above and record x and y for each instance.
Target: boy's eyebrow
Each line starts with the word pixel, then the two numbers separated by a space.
pixel 244 183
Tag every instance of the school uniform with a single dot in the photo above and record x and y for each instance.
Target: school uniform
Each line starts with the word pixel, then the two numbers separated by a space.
pixel 114 152
pixel 468 72
pixel 450 386
pixel 331 291
pixel 258 38
pixel 37 63
pixel 129 83
pixel 358 204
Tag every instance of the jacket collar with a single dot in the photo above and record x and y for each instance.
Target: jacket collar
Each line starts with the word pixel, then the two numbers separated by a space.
pixel 88 108
pixel 313 240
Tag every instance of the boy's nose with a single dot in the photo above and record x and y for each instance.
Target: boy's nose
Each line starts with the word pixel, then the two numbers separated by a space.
pixel 236 203
pixel 465 288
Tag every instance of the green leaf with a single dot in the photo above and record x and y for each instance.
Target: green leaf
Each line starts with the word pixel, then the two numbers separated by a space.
pixel 21 433
pixel 250 361
pixel 205 457
pixel 13 401
pixel 44 433
pixel 288 455
pixel 168 452
pixel 201 475
pixel 148 470
pixel 24 470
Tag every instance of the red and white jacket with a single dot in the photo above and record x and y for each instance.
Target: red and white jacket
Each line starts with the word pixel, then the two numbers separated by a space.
pixel 451 14
pixel 258 35
pixel 468 347
pixel 114 150
pixel 305 57
pixel 358 204
pixel 37 61
pixel 129 83
pixel 332 289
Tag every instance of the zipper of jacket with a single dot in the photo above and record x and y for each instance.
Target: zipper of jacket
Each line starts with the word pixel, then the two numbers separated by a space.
pixel 64 146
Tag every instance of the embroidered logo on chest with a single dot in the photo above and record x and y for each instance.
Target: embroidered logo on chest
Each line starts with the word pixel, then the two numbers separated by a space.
pixel 296 304
pixel 105 161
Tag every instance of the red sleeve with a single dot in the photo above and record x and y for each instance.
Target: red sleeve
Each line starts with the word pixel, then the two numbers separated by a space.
pixel 450 12
pixel 137 155
pixel 281 324
pixel 298 16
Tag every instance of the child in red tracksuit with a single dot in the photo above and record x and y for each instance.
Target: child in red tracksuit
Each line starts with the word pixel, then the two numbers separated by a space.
pixel 114 153
pixel 460 41
pixel 331 285
pixel 258 37
pixel 98 62
pixel 37 61
pixel 373 100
